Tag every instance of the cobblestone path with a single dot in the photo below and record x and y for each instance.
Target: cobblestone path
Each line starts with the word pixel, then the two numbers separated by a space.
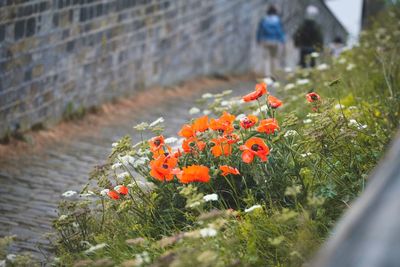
pixel 32 183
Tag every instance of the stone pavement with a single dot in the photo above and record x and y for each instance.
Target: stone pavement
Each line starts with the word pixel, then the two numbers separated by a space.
pixel 32 182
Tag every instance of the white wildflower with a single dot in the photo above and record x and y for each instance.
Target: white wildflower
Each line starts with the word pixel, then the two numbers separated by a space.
pixel 11 257
pixel 88 194
pixel 290 133
pixel 206 112
pixel 350 67
pixel 360 127
pixel 253 208
pixel 171 140
pixel 353 122
pixel 114 144
pixel 288 70
pixel 225 103
pixel 142 258
pixel 207 95
pixel 289 86
pixel 140 162
pixel 208 232
pixel 269 81
pixel 92 249
pixel 339 106
pixel 69 193
pixel 303 81
pixel 342 60
pixel 122 175
pixel 240 117
pixel 306 154
pixel 194 110
pixel 264 108
pixel 210 197
pixel 63 217
pixel 314 54
pixel 104 192
pixel 156 122
pixel 306 121
pixel 116 165
pixel 127 159
pixel 352 108
pixel 194 204
pixel 322 67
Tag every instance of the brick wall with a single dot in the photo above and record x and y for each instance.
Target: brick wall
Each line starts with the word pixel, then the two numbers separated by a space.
pixel 58 54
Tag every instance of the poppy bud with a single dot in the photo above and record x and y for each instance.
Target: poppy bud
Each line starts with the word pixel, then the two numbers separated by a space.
pixel 237 127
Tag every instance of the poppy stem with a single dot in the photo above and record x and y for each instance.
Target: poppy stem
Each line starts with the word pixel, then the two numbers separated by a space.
pixel 103 215
pixel 261 112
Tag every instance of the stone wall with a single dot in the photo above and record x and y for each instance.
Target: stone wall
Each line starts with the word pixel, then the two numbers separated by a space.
pixel 59 55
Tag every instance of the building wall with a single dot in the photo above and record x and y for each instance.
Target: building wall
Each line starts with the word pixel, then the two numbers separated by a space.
pixel 59 55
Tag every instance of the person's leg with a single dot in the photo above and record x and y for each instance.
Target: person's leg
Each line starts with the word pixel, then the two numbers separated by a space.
pixel 267 61
pixel 273 51
pixel 303 55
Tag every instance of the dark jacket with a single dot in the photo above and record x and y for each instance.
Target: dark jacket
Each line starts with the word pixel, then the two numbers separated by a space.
pixel 309 34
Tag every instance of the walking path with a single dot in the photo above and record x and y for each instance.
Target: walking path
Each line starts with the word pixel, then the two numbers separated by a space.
pixel 33 179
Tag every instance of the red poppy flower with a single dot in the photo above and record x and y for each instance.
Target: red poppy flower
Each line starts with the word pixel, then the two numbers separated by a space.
pixel 186 131
pixel 248 121
pixel 255 146
pixel 194 173
pixel 268 126
pixel 226 170
pixel 189 143
pixel 260 90
pixel 313 97
pixel 113 194
pixel 161 168
pixel 223 123
pixel 156 143
pixel 274 102
pixel 231 138
pixel 200 124
pixel 221 147
pixel 121 189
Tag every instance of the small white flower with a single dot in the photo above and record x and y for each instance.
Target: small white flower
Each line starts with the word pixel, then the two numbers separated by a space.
pixel 314 54
pixel 207 95
pixel 69 193
pixel 140 162
pixel 342 60
pixel 104 192
pixel 62 217
pixel 290 133
pixel 156 122
pixel 264 108
pixel 306 154
pixel 339 106
pixel 240 117
pixel 122 175
pixel 171 140
pixel 268 81
pixel 350 67
pixel 92 249
pixel 208 232
pixel 352 108
pixel 289 86
pixel 353 122
pixel 306 121
pixel 194 110
pixel 88 194
pixel 288 70
pixel 142 258
pixel 194 204
pixel 114 144
pixel 210 197
pixel 362 127
pixel 127 159
pixel 206 112
pixel 116 165
pixel 11 257
pixel 322 67
pixel 253 208
pixel 302 81
pixel 75 225
pixel 225 103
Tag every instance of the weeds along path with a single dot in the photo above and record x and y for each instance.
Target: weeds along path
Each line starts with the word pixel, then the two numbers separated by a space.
pixel 33 177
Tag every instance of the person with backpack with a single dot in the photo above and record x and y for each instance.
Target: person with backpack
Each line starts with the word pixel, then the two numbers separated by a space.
pixel 271 36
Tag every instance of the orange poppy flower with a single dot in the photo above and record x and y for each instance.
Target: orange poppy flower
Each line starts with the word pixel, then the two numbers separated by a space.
pixel 248 121
pixel 121 189
pixel 156 143
pixel 186 131
pixel 113 194
pixel 189 143
pixel 312 97
pixel 232 138
pixel 223 123
pixel 274 102
pixel 260 90
pixel 255 146
pixel 268 126
pixel 194 173
pixel 226 170
pixel 200 124
pixel 221 147
pixel 161 168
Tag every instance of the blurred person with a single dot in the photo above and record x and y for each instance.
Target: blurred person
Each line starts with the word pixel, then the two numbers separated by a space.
pixel 271 36
pixel 337 47
pixel 308 37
